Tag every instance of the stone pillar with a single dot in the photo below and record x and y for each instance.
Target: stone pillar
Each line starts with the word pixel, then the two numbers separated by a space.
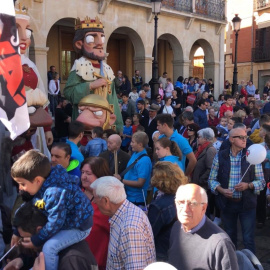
pixel 144 65
pixel 180 68
pixel 220 82
pixel 39 56
pixel 212 70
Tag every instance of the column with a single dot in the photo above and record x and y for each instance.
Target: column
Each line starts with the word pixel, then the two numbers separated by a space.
pixel 144 65
pixel 213 70
pixel 180 68
pixel 39 56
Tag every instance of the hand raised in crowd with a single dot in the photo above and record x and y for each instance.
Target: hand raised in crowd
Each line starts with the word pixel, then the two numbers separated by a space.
pixel 49 138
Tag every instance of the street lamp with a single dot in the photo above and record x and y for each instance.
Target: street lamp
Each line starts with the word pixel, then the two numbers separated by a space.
pixel 156 6
pixel 236 27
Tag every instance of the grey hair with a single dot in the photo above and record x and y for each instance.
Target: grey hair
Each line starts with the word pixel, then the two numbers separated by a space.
pixel 207 133
pixel 202 192
pixel 111 187
pixel 141 91
pixel 189 109
pixel 239 125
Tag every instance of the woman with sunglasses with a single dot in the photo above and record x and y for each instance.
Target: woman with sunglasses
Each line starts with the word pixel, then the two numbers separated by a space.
pixel 192 130
pixel 167 150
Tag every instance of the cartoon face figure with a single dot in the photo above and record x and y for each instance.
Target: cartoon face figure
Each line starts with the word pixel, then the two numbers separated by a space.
pixel 25 33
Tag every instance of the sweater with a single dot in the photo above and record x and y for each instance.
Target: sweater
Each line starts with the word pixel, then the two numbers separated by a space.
pixel 63 202
pixel 210 248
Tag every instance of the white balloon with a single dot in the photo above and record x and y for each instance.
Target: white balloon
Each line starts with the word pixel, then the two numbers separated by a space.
pixel 256 154
pixel 160 266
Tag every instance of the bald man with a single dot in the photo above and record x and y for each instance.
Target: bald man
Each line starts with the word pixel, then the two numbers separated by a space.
pixel 237 197
pixel 196 242
pixel 113 144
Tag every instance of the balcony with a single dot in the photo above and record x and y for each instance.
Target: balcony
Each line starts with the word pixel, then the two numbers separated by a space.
pixel 260 54
pixel 213 9
pixel 261 4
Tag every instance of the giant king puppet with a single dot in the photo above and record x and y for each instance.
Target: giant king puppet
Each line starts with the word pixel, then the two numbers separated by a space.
pixel 91 76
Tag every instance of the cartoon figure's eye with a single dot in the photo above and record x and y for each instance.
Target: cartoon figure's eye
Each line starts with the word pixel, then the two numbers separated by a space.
pixel 98 113
pixel 102 40
pixel 89 39
pixel 28 33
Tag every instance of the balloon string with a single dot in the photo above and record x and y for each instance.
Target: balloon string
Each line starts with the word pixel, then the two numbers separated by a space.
pixel 243 176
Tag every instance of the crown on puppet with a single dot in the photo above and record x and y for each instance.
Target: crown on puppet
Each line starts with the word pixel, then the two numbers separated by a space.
pixel 21 10
pixel 88 23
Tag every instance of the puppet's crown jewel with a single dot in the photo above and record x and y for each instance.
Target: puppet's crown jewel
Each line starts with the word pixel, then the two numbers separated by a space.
pixel 88 23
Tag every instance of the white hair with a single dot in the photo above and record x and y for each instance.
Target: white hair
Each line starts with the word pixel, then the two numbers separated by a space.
pixel 189 109
pixel 141 91
pixel 111 187
pixel 207 133
pixel 184 189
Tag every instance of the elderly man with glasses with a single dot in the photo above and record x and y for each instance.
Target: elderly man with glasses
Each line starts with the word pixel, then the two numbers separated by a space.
pixel 196 242
pixel 236 186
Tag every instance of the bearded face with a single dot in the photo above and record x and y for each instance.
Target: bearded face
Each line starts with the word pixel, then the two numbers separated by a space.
pixel 91 55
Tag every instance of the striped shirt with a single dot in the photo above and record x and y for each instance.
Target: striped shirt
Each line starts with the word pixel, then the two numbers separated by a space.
pixel 131 243
pixel 235 176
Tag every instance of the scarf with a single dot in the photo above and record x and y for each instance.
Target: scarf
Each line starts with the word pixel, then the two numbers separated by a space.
pixel 201 148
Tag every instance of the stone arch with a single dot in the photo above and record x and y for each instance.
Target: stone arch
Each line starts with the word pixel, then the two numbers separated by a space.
pixel 125 46
pixel 170 49
pixel 209 57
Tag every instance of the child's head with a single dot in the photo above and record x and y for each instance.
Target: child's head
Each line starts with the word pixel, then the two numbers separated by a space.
pixel 136 118
pixel 128 122
pixel 265 129
pixel 134 90
pixel 223 121
pixel 233 121
pixel 257 91
pixel 97 132
pixel 30 171
pixel 75 130
pixel 229 100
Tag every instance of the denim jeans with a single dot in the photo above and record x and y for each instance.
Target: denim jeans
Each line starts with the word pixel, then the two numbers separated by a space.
pixel 247 218
pixel 58 242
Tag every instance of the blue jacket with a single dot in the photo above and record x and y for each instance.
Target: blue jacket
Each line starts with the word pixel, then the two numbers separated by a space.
pixel 162 215
pixel 95 147
pixel 201 118
pixel 65 205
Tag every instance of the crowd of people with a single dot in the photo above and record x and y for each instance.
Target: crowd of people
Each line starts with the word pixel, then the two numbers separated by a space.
pixel 158 190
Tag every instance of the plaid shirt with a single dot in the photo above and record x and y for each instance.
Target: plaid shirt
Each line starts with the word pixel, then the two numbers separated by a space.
pixel 131 243
pixel 235 176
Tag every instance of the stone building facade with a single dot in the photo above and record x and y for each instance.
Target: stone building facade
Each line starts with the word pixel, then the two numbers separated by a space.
pixel 183 27
pixel 253 41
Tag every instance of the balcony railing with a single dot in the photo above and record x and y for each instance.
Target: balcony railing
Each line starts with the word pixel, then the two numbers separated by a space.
pixel 260 54
pixel 214 9
pixel 261 4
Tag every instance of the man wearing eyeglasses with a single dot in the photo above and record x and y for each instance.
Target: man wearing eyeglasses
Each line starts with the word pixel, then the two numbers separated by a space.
pixel 196 242
pixel 237 197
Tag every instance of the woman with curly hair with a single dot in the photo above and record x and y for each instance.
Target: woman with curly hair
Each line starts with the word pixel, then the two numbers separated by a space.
pixel 167 177
pixel 167 150
pixel 98 239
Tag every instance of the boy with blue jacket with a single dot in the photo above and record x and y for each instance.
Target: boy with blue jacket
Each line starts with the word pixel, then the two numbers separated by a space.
pixel 58 194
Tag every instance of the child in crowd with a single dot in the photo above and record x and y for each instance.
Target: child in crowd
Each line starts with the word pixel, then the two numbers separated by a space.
pixel 136 122
pixel 127 134
pixel 257 95
pixel 60 197
pixel 161 91
pixel 222 128
pixel 133 95
pixel 97 145
pixel 227 106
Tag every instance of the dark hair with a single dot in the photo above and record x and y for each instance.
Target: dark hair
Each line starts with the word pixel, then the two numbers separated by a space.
pixel 188 115
pixel 256 112
pixel 241 96
pixel 219 97
pixel 167 98
pixel 174 148
pixel 237 108
pixel 145 85
pixel 125 94
pixel 141 101
pixel 180 79
pixel 98 131
pixel 28 218
pixel 55 75
pixel 201 101
pixel 164 73
pixel 75 128
pixel 109 132
pixel 139 116
pixel 140 128
pixel 99 166
pixel 133 88
pixel 236 119
pixel 51 67
pixel 226 97
pixel 264 118
pixel 165 118
pixel 64 146
pixel 30 165
pixel 194 127
pixel 216 132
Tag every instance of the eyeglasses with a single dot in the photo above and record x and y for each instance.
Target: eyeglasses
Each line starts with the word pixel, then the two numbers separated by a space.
pixel 191 205
pixel 190 129
pixel 243 138
pixel 158 97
